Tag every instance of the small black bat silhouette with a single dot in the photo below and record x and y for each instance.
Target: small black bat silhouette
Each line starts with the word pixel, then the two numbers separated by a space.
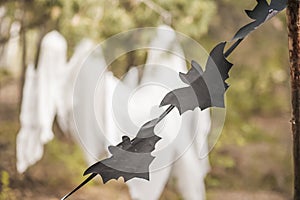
pixel 206 88
pixel 130 158
pixel 261 13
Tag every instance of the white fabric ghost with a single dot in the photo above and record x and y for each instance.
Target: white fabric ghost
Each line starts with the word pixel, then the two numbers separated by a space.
pixel 117 119
pixel 112 131
pixel 29 146
pixel 87 103
pixel 41 99
pixel 52 60
pixel 92 93
pixel 65 113
pixel 177 152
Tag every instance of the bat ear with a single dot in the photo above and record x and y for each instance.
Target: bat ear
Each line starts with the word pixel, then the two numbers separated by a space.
pixel 250 14
pixel 125 139
pixel 261 7
pixel 194 73
pixel 278 4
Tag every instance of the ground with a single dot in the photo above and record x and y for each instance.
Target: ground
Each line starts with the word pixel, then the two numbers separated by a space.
pixel 259 169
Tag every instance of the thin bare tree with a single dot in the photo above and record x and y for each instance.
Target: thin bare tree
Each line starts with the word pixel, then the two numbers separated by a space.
pixel 293 17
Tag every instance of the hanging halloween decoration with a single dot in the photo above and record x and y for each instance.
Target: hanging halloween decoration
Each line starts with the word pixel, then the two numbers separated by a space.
pixel 205 90
pixel 131 158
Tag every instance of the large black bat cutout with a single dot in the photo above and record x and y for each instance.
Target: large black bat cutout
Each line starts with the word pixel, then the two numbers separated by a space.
pixel 130 158
pixel 261 13
pixel 206 88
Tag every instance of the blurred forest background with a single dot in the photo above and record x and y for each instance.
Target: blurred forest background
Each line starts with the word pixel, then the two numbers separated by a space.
pixel 252 158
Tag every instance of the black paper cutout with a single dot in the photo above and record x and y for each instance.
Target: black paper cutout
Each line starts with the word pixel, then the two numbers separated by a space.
pixel 130 158
pixel 261 13
pixel 206 88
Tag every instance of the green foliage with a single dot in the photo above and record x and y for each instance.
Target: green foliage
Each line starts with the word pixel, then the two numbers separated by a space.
pixel 6 193
pixel 99 19
pixel 191 17
pixel 4 75
pixel 64 155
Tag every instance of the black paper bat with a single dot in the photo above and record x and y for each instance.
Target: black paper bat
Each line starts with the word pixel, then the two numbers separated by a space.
pixel 261 13
pixel 206 89
pixel 130 158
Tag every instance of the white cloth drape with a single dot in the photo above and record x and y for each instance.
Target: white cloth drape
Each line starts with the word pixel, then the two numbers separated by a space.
pixel 51 62
pixel 86 128
pixel 41 97
pixel 164 61
pixel 49 91
pixel 65 113
pixel 29 145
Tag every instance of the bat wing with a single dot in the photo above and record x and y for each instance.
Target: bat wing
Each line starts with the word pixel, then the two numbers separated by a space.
pixel 278 5
pixel 194 73
pixel 146 139
pixel 130 158
pixel 217 65
pixel 185 99
pixel 206 88
pixel 258 13
pixel 128 167
pixel 245 30
pixel 261 13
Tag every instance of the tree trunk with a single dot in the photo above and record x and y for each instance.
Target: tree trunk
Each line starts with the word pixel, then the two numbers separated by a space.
pixel 294 54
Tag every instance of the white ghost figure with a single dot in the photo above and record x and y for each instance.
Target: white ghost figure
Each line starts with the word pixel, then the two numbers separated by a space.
pixel 177 152
pixel 88 101
pixel 117 96
pixel 93 89
pixel 40 100
pixel 29 146
pixel 65 113
pixel 112 132
pixel 51 64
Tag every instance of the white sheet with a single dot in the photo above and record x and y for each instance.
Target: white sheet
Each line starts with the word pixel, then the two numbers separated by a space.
pixel 178 146
pixel 29 146
pixel 51 62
